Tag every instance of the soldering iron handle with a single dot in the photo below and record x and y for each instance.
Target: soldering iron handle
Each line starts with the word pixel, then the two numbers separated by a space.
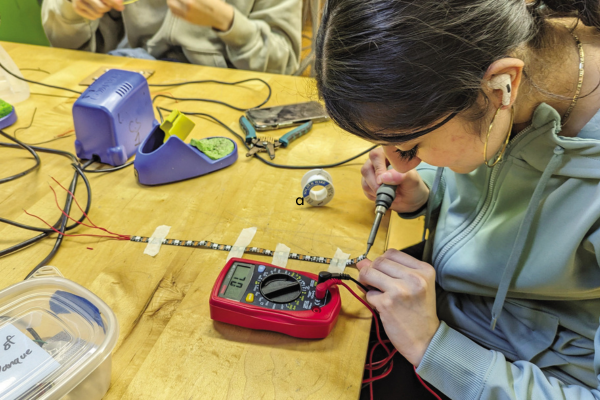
pixel 385 195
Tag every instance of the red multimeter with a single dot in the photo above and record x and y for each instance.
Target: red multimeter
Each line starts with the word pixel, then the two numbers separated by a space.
pixel 258 295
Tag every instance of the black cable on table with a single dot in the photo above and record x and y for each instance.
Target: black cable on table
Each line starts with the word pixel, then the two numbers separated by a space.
pixel 272 164
pixel 29 149
pixel 62 229
pixel 37 83
pixel 64 219
pixel 213 81
pixel 46 231
pixel 96 171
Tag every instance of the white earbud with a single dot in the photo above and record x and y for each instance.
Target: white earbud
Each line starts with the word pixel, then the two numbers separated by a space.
pixel 502 82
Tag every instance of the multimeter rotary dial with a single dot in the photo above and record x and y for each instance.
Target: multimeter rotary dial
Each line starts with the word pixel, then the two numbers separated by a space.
pixel 280 288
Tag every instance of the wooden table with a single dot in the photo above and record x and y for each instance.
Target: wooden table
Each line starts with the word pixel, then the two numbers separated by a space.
pixel 169 348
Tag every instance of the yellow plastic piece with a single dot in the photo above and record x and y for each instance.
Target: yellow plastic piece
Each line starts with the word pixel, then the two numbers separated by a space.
pixel 250 298
pixel 177 124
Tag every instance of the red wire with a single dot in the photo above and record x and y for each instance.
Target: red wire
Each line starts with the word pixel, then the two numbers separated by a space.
pixel 425 385
pixel 81 209
pixel 117 236
pixel 78 222
pixel 65 234
pixel 371 365
pixel 371 379
pixel 75 199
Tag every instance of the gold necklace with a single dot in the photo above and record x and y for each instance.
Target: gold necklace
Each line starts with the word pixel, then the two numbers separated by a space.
pixel 580 80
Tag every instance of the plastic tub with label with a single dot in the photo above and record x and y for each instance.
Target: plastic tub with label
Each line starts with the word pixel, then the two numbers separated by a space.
pixel 56 339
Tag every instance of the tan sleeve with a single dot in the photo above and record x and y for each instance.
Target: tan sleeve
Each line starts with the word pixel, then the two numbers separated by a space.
pixel 67 29
pixel 268 39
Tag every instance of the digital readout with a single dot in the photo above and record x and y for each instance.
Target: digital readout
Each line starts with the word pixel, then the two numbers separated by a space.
pixel 238 283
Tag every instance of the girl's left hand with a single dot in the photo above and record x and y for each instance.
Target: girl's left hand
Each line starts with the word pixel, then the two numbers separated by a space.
pixel 406 300
pixel 214 13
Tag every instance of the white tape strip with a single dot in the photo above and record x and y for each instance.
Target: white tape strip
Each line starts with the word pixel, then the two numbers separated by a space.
pixel 237 250
pixel 338 262
pixel 280 258
pixel 156 240
pixel 314 179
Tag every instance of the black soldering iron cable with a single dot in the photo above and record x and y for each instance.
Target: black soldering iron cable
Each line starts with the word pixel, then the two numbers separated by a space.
pixel 48 232
pixel 63 226
pixel 75 165
pixel 272 164
pixel 37 83
pixel 97 171
pixel 26 147
pixel 210 100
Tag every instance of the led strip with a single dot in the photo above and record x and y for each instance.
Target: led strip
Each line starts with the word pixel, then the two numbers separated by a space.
pixel 204 244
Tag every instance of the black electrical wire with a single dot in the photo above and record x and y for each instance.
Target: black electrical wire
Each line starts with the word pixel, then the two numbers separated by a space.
pixel 272 164
pixel 95 171
pixel 45 231
pixel 29 149
pixel 45 150
pixel 363 287
pixel 62 229
pixel 209 100
pixel 24 128
pixel 41 236
pixel 37 83
pixel 64 220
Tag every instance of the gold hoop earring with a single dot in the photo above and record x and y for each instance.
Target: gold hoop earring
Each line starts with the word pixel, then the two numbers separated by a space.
pixel 487 138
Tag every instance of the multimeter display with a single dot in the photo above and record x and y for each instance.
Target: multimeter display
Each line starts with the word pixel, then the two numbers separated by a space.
pixel 237 281
pixel 258 295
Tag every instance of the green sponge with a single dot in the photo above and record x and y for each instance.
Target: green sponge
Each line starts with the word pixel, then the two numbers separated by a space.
pixel 214 148
pixel 5 108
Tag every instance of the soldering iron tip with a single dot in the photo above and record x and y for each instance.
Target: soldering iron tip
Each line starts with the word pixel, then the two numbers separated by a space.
pixel 368 248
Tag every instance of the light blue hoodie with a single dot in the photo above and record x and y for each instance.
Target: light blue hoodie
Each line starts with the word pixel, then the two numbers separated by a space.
pixel 516 248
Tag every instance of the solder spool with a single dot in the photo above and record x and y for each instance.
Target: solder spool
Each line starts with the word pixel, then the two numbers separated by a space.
pixel 317 187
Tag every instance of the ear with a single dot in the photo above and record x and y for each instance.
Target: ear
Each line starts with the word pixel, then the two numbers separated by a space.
pixel 502 80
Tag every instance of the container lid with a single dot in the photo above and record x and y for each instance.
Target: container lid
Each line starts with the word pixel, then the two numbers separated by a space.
pixel 53 334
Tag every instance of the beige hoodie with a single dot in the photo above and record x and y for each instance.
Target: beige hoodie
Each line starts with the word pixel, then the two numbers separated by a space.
pixel 265 35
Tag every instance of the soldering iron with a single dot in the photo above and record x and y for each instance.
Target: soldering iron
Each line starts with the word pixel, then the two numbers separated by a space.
pixel 385 196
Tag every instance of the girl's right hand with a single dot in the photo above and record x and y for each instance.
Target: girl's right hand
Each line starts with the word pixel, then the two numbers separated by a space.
pixel 95 9
pixel 411 191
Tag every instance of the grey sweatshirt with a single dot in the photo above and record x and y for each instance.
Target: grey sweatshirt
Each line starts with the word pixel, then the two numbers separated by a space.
pixel 265 35
pixel 517 248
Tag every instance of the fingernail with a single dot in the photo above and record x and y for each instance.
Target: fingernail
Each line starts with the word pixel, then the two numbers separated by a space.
pixel 385 175
pixel 378 180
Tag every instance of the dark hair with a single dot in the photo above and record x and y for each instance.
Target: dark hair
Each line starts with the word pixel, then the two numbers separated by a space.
pixel 385 66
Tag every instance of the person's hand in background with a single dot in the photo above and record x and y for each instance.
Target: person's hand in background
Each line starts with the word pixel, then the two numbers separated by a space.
pixel 214 13
pixel 94 9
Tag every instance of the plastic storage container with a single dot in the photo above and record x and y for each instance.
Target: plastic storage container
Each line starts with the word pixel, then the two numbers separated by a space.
pixel 56 339
pixel 12 90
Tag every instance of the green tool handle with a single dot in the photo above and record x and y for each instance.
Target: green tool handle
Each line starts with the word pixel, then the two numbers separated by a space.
pixel 248 129
pixel 294 134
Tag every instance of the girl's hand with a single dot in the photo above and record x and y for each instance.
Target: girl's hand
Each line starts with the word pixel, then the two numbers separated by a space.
pixel 411 193
pixel 94 9
pixel 406 300
pixel 214 13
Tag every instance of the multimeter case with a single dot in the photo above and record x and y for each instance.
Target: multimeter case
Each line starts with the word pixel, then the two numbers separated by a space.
pixel 316 323
pixel 158 163
pixel 113 117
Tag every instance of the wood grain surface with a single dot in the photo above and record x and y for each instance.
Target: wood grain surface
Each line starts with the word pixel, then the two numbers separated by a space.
pixel 169 348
